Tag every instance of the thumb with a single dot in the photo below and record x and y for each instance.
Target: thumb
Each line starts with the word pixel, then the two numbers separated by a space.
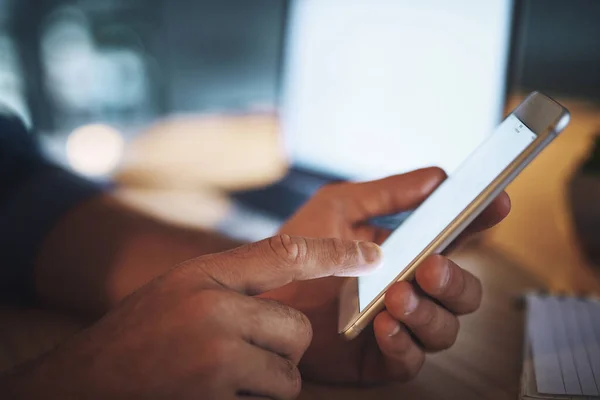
pixel 391 195
pixel 271 263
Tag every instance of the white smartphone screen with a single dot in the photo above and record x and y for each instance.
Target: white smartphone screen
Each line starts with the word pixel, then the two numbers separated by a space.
pixel 446 203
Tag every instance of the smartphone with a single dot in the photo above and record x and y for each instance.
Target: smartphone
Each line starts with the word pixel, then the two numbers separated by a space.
pixel 453 205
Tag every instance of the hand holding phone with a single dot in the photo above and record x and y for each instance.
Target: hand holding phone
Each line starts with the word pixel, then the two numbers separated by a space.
pixel 343 210
pixel 454 205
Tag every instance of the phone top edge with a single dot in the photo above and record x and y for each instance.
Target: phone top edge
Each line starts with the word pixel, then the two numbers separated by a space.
pixel 541 114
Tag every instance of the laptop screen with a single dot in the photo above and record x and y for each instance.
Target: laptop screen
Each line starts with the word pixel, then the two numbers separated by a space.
pixel 379 87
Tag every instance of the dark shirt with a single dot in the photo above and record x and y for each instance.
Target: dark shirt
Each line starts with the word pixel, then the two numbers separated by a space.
pixel 34 195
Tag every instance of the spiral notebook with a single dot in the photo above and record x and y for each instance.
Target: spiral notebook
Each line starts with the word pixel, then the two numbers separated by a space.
pixel 562 348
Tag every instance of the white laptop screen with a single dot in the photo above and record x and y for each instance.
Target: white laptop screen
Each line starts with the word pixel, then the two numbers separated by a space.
pixel 378 87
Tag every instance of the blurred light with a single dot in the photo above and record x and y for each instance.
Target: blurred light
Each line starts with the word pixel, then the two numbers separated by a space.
pixel 11 81
pixel 67 50
pixel 95 150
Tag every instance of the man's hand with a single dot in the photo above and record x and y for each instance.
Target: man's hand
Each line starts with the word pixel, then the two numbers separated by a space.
pixel 420 317
pixel 196 332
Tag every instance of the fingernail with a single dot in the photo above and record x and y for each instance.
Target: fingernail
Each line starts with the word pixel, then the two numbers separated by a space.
pixel 370 252
pixel 444 276
pixel 410 302
pixel 395 330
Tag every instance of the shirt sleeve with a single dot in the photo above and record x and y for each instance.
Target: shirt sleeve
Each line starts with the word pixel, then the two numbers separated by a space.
pixel 34 195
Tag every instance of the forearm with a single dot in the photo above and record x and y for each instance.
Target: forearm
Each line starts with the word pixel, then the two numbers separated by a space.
pixel 103 250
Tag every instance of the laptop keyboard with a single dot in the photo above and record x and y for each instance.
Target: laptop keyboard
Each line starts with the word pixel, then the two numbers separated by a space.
pixel 564 333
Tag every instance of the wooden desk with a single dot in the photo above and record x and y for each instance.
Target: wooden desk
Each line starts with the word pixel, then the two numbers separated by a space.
pixel 485 362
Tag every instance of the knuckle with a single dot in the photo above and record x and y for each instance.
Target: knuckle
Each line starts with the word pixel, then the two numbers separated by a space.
pixel 339 251
pixel 288 250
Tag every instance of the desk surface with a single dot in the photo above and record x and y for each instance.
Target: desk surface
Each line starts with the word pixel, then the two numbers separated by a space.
pixel 485 362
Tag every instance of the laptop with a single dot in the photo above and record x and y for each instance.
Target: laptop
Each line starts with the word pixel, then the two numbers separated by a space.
pixel 372 88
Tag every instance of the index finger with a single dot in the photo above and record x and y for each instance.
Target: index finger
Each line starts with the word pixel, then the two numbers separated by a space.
pixel 272 263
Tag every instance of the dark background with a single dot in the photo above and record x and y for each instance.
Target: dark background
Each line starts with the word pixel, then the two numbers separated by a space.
pixel 225 54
